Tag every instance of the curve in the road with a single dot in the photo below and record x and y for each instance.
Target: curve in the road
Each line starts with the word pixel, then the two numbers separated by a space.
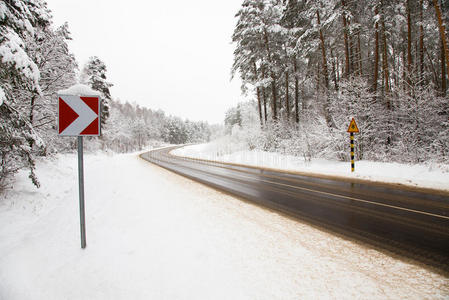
pixel 408 222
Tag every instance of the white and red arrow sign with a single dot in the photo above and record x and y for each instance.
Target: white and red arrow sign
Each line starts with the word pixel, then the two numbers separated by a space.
pixel 78 115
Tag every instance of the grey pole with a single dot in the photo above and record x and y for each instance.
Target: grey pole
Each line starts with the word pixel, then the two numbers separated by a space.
pixel 81 191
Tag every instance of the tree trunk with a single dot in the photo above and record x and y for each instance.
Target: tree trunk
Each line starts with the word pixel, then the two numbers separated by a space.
pixel 259 105
pixel 421 44
pixel 334 71
pixel 409 47
pixel 32 105
pixel 351 53
pixel 385 58
pixel 287 96
pixel 326 74
pixel 386 73
pixel 31 115
pixel 338 70
pixel 295 69
pixel 442 32
pixel 323 52
pixel 359 52
pixel 264 98
pixel 376 54
pixel 443 71
pixel 273 79
pixel 345 35
pixel 274 98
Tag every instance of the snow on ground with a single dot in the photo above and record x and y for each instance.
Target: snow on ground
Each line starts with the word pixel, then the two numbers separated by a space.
pixel 420 175
pixel 152 234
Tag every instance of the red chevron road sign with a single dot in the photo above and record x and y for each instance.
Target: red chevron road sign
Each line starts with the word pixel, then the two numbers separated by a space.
pixel 78 115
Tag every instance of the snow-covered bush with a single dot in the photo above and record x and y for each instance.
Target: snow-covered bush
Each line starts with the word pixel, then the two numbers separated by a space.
pixel 414 128
pixel 421 126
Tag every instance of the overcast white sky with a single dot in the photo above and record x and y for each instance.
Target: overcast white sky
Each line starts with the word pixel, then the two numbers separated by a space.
pixel 174 55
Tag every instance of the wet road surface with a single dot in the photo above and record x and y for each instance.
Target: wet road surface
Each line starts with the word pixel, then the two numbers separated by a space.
pixel 409 222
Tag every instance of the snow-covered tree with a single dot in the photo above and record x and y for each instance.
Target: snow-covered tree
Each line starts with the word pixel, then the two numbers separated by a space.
pixel 94 75
pixel 57 66
pixel 175 131
pixel 18 21
pixel 259 43
pixel 376 60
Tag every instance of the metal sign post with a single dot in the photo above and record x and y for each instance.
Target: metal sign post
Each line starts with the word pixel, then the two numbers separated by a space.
pixel 79 115
pixel 351 137
pixel 352 129
pixel 81 191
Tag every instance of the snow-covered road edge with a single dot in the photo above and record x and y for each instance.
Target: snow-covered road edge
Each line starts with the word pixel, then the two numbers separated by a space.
pixel 429 178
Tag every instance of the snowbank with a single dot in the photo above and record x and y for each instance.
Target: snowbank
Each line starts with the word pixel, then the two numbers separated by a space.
pixel 425 176
pixel 154 235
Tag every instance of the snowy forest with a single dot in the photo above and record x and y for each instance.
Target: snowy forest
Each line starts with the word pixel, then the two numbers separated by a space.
pixel 311 66
pixel 35 63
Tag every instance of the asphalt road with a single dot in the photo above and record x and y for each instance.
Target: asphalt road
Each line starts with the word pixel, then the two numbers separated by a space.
pixel 410 222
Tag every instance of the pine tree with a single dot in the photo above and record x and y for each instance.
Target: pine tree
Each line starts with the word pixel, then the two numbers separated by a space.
pixel 400 45
pixel 18 21
pixel 259 41
pixel 94 75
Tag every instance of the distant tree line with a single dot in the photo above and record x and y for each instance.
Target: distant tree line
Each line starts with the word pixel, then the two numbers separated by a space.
pixel 35 62
pixel 312 65
pixel 131 127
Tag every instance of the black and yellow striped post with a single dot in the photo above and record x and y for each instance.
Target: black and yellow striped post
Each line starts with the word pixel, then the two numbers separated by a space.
pixel 351 136
pixel 352 129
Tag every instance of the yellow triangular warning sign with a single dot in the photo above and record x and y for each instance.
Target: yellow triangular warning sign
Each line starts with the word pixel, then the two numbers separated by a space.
pixel 353 126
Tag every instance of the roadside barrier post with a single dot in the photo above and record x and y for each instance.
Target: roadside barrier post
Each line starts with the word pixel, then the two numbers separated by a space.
pixel 351 136
pixel 352 129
